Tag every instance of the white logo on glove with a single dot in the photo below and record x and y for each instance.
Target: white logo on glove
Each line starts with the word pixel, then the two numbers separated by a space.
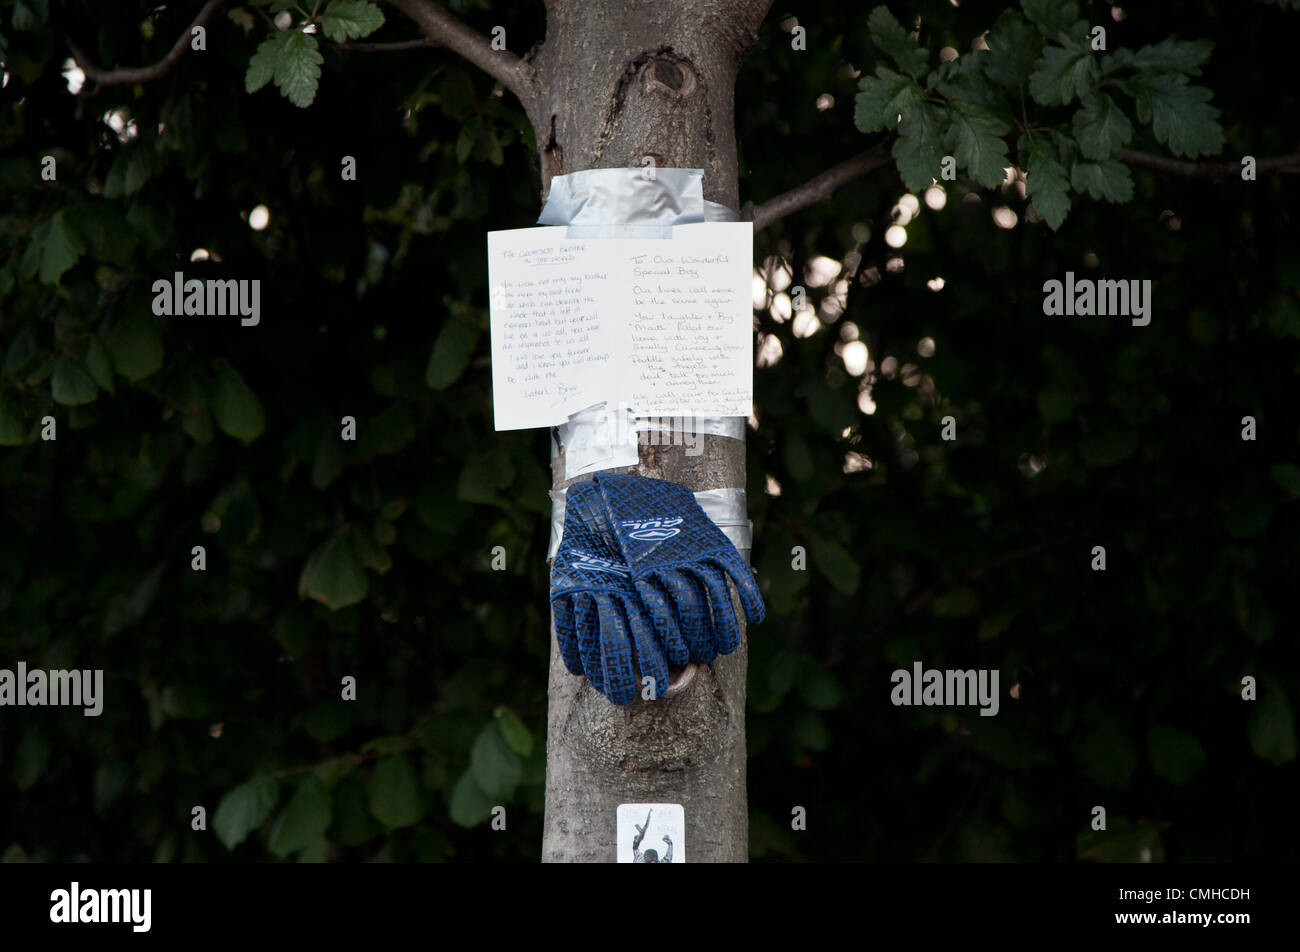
pixel 592 563
pixel 650 530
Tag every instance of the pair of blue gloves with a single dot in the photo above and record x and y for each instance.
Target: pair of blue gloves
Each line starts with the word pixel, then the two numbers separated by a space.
pixel 640 583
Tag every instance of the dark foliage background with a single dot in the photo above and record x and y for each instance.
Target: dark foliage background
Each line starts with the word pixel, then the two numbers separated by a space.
pixel 223 686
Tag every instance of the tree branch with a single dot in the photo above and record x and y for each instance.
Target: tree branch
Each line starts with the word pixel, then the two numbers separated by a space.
pixel 385 47
pixel 144 74
pixel 444 29
pixel 818 189
pixel 821 188
pixel 1210 170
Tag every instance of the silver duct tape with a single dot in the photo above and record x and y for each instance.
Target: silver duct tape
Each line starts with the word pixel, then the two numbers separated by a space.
pixel 594 439
pixel 728 426
pixel 725 507
pixel 610 203
pixel 598 438
pixel 629 203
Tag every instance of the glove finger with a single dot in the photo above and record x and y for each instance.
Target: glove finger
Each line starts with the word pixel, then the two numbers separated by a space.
pixel 690 604
pixel 746 584
pixel 587 625
pixel 726 630
pixel 650 660
pixel 566 634
pixel 616 651
pixel 658 607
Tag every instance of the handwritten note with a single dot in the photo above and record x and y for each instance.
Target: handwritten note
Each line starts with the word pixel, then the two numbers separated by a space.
pixel 656 325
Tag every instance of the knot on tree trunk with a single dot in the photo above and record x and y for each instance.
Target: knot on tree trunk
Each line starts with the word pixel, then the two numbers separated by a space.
pixel 669 75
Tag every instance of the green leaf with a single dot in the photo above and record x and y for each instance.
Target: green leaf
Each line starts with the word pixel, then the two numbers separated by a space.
pixel 888 34
pixel 244 809
pixel 1271 726
pixel 1063 74
pixel 63 246
pixel 497 769
pixel 387 432
pixel 237 410
pixel 371 553
pixel 918 150
pixel 1172 56
pixel 1286 475
pixel 465 141
pixel 353 823
pixel 1014 45
pixel 1047 185
pixel 451 353
pixel 197 425
pixel 136 346
pixel 333 575
pixel 1051 16
pixel 1101 127
pixel 303 821
pixel 836 563
pixel 99 364
pixel 297 68
pixel 29 14
pixel 470 806
pixel 883 99
pixel 395 798
pixel 332 771
pixel 261 66
pixel 108 235
pixel 132 168
pixel 72 386
pixel 963 81
pixel 1176 755
pixel 290 58
pixel 1181 115
pixel 1108 179
pixel 345 20
pixel 976 135
pixel 483 474
pixel 515 733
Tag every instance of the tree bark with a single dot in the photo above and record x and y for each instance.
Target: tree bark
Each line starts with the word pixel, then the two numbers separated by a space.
pixel 616 82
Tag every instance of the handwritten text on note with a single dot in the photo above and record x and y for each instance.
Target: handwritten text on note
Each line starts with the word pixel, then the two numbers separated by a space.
pixel 660 326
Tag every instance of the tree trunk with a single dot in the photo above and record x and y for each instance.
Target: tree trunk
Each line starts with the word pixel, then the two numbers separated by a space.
pixel 618 82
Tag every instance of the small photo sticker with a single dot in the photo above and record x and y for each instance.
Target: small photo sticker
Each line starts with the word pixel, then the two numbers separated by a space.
pixel 651 833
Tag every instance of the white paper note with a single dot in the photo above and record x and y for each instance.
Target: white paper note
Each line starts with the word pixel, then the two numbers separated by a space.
pixel 657 326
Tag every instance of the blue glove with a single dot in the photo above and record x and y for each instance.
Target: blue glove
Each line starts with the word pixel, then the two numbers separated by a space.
pixel 600 623
pixel 680 562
